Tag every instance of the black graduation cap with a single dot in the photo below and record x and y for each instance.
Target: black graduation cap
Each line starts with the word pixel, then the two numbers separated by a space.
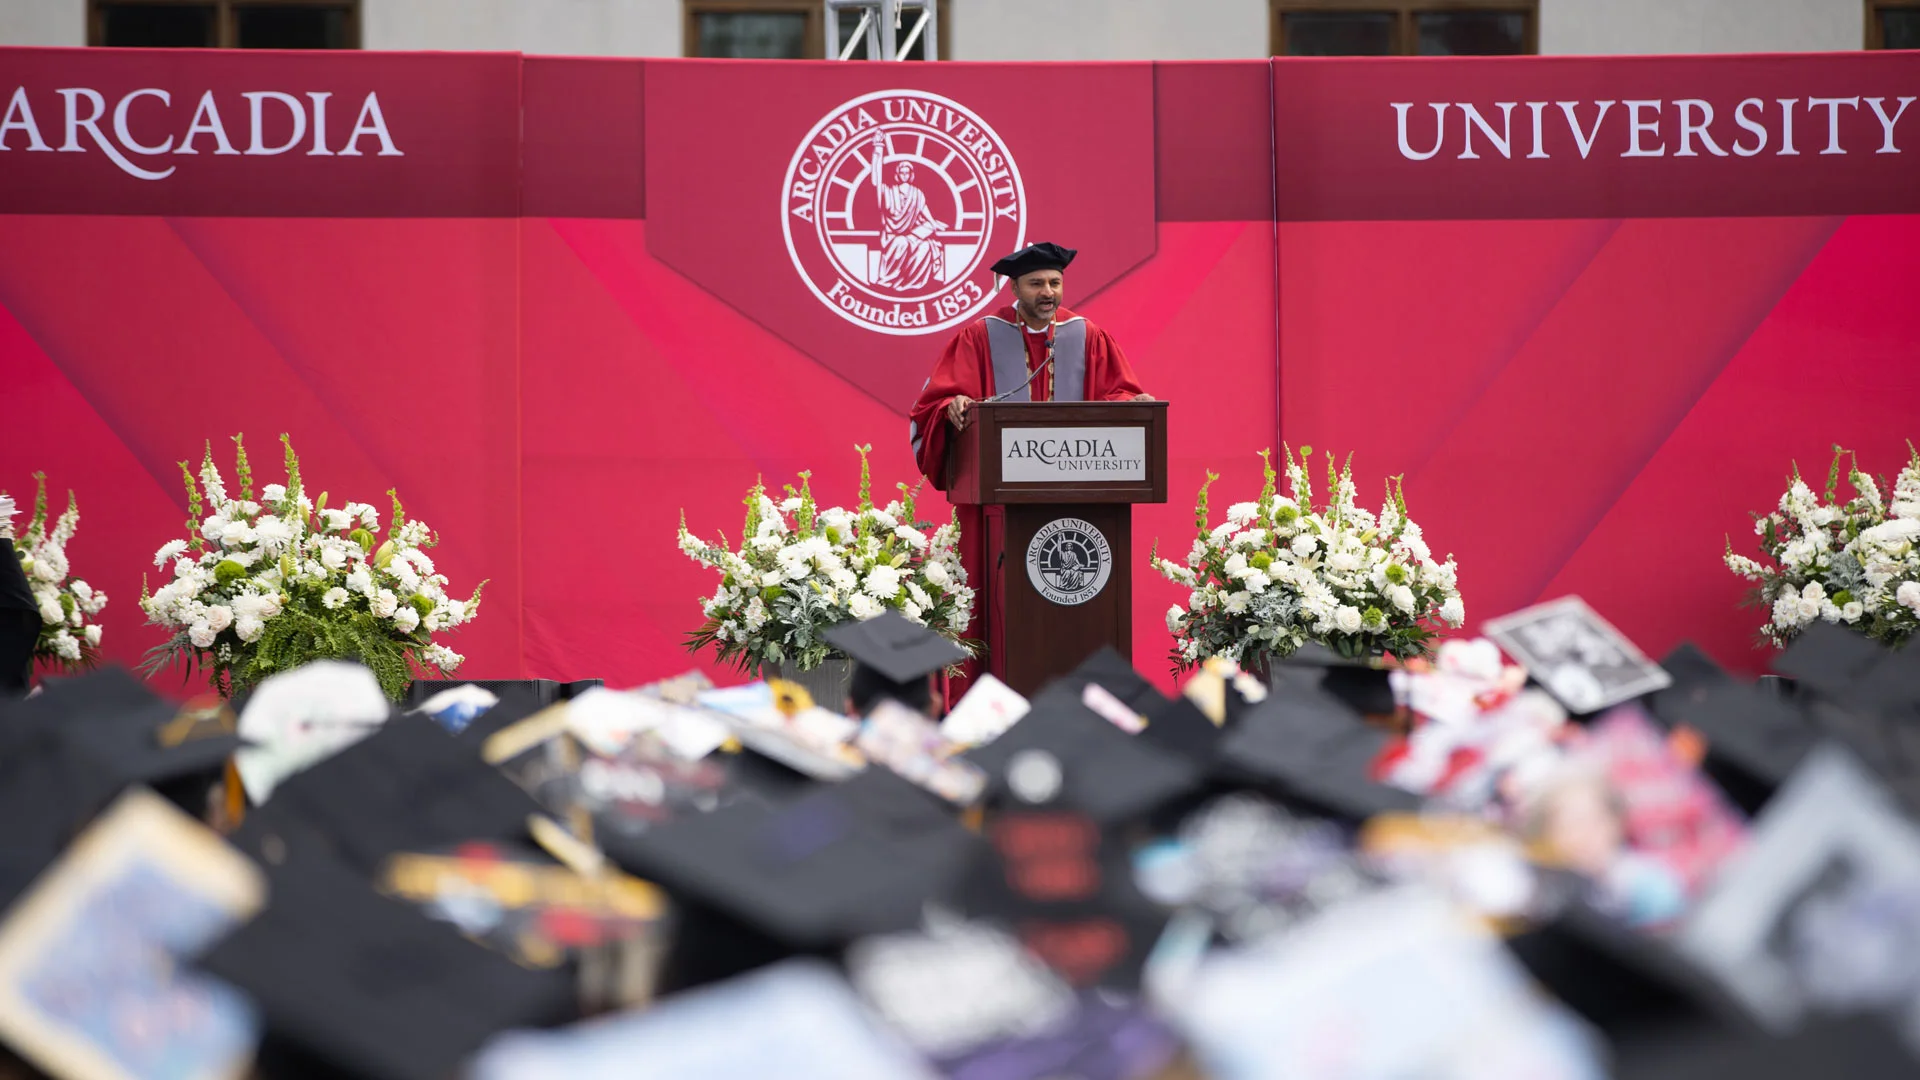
pixel 1041 256
pixel 1173 724
pixel 1861 1047
pixel 135 734
pixel 49 790
pixel 895 646
pixel 408 787
pixel 367 986
pixel 1116 777
pixel 813 873
pixel 1829 659
pixel 518 700
pixel 19 624
pixel 1691 670
pixel 1754 740
pixel 1626 982
pixel 1308 745
pixel 1365 686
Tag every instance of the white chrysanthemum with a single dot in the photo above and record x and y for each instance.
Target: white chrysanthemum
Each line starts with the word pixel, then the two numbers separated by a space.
pixel 1222 531
pixel 1241 513
pixel 1347 619
pixel 335 598
pixel 863 606
pixel 169 551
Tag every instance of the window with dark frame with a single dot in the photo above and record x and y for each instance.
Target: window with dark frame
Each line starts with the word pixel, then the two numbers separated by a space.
pixel 224 24
pixel 781 30
pixel 1405 27
pixel 1893 24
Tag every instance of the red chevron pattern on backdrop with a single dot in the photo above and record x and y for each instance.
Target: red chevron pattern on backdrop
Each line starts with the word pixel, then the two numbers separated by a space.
pixel 562 312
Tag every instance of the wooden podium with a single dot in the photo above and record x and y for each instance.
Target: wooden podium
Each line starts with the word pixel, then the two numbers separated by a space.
pixel 1057 482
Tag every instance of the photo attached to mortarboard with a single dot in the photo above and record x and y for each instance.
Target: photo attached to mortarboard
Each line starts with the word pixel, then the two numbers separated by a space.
pixel 1577 655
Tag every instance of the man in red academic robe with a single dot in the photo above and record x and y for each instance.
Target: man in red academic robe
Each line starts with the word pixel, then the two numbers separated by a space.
pixel 1034 349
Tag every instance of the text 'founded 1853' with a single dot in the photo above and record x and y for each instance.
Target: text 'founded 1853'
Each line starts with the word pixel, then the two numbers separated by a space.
pixel 1102 455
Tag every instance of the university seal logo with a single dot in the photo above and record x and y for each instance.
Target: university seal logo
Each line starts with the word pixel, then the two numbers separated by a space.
pixel 892 205
pixel 1069 561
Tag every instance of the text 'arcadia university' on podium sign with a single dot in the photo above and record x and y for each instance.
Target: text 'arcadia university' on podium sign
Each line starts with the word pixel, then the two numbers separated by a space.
pixel 1057 481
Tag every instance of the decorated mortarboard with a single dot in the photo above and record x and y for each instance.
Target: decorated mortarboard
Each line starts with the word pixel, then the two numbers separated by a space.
pixel 1113 688
pixel 812 873
pixel 300 718
pixel 411 787
pixel 1060 883
pixel 796 1020
pixel 1576 655
pixel 369 985
pixel 1035 257
pixel 91 977
pixel 895 646
pixel 1117 777
pixel 1308 746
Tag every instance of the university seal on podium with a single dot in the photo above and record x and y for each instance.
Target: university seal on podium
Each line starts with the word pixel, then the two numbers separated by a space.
pixel 892 205
pixel 1069 561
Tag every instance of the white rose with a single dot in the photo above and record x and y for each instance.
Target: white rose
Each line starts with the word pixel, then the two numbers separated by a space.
pixel 249 628
pixel 1346 560
pixel 1853 610
pixel 863 606
pixel 219 616
pixel 1908 596
pixel 883 582
pixel 1347 618
pixel 333 557
pixel 1402 598
pixel 406 619
pixel 385 604
pixel 236 533
pixel 336 597
pixel 93 636
pixel 1813 592
pixel 936 574
pixel 1175 619
pixel 1453 611
pixel 201 635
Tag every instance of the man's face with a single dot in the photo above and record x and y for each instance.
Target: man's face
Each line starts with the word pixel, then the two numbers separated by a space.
pixel 1040 292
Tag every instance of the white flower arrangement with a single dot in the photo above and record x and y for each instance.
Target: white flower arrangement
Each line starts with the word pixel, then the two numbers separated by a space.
pixel 1279 573
pixel 68 640
pixel 801 570
pixel 1856 563
pixel 261 587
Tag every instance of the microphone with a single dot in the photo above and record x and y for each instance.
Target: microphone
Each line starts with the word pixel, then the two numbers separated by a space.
pixel 1044 364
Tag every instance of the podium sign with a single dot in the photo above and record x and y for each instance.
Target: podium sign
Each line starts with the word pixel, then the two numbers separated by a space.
pixel 1057 481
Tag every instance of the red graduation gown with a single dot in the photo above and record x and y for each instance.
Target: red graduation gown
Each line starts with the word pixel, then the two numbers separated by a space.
pixel 965 367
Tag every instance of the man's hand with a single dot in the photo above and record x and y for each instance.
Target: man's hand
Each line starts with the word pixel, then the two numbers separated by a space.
pixel 957 411
pixel 1145 397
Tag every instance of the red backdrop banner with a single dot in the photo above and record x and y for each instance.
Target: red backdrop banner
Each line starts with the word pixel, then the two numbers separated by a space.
pixel 579 297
